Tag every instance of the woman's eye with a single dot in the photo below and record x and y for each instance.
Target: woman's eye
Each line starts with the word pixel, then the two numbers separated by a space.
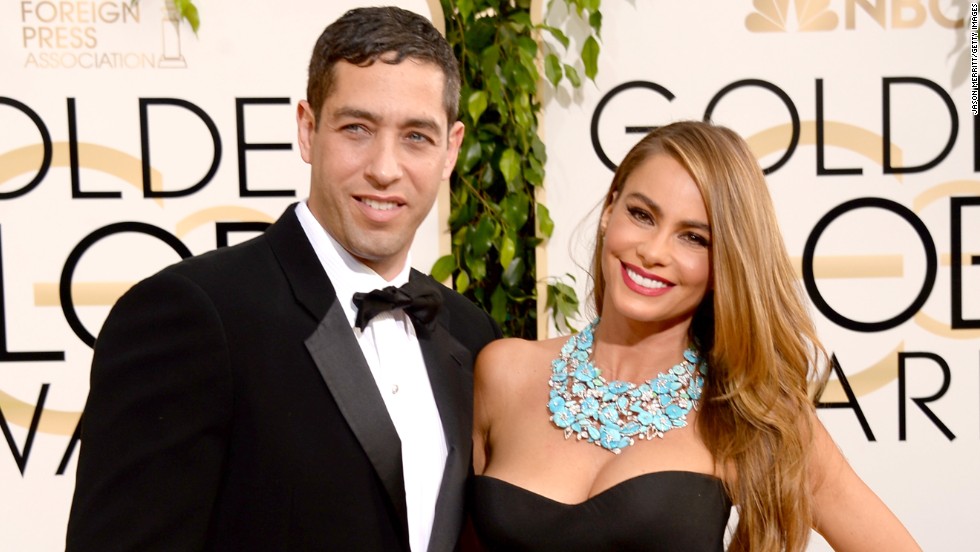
pixel 697 239
pixel 639 214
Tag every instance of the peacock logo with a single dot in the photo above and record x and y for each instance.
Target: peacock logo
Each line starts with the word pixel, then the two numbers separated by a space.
pixel 773 16
pixel 785 16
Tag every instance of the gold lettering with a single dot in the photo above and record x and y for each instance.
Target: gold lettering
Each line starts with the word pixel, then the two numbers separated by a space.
pixel 901 7
pixel 108 12
pixel 25 8
pixel 46 12
pixel 941 18
pixel 131 12
pixel 876 10
pixel 66 10
pixel 30 33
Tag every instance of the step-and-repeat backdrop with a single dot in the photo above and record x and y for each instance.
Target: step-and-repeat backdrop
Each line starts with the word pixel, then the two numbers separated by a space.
pixel 127 142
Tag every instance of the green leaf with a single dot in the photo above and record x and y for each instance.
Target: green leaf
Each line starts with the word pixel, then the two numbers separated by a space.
pixel 498 303
pixel 545 225
pixel 528 47
pixel 564 289
pixel 443 268
pixel 521 21
pixel 481 238
pixel 552 69
pixel 476 104
pixel 462 281
pixel 465 8
pixel 523 114
pixel 562 304
pixel 589 5
pixel 477 35
pixel 188 12
pixel 514 211
pixel 558 34
pixel 510 166
pixel 487 176
pixel 572 75
pixel 595 21
pixel 507 251
pixel 534 173
pixel 514 273
pixel 490 57
pixel 477 268
pixel 461 235
pixel 472 154
pixel 590 57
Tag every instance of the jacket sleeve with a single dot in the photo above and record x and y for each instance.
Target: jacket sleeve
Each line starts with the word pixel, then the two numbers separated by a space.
pixel 156 423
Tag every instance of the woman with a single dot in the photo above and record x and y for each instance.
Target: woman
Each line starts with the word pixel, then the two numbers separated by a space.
pixel 687 394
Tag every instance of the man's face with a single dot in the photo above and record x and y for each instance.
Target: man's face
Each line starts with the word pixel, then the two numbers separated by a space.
pixel 380 150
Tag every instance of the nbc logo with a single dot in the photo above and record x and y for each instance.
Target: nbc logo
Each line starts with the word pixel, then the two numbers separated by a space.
pixel 780 16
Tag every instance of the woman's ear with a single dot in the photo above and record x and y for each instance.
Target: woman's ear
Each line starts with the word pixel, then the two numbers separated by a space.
pixel 606 213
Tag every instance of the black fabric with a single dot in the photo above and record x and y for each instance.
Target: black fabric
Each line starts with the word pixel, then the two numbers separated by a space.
pixel 419 300
pixel 670 511
pixel 222 417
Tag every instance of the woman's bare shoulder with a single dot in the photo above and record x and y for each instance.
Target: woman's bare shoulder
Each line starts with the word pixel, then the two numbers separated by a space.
pixel 513 361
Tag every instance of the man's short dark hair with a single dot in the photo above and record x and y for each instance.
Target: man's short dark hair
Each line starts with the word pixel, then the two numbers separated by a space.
pixel 363 36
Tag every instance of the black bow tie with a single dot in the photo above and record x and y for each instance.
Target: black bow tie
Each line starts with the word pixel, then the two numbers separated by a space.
pixel 418 298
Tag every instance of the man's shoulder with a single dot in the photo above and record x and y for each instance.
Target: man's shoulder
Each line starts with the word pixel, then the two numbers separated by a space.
pixel 223 261
pixel 232 259
pixel 463 318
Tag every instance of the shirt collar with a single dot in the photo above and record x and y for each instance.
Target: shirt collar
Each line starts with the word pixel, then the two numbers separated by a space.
pixel 347 274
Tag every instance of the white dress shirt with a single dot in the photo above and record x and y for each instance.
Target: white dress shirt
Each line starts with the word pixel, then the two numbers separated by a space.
pixel 392 351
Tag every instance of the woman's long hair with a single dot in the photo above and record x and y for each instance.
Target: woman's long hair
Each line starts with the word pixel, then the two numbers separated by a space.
pixel 756 332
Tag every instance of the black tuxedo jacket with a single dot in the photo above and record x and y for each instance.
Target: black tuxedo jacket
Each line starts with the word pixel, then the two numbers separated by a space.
pixel 231 408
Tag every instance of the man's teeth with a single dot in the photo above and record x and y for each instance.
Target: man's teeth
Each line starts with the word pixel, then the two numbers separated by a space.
pixel 645 282
pixel 380 205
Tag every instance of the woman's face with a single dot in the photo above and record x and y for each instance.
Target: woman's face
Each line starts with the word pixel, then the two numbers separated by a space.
pixel 657 245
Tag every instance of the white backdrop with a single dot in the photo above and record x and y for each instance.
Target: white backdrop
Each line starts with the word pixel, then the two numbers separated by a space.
pixel 80 226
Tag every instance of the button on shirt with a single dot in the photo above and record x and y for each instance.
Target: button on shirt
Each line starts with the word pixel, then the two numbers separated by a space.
pixel 392 351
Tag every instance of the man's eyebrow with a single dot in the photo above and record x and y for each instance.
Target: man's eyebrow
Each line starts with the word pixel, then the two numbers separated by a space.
pixel 355 113
pixel 423 123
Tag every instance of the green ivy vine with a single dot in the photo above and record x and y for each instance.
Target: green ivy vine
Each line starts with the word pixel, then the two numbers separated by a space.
pixel 496 220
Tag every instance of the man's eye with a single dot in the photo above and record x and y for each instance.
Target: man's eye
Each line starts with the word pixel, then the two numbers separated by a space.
pixel 419 137
pixel 354 128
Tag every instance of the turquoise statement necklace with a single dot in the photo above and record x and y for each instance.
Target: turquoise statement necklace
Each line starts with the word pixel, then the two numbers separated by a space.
pixel 613 414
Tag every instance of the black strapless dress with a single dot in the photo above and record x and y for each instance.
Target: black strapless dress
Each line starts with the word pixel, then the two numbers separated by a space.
pixel 670 511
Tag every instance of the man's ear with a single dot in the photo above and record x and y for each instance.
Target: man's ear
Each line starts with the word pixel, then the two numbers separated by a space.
pixel 305 129
pixel 455 141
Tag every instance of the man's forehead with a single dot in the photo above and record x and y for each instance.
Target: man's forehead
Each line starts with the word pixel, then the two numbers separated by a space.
pixel 364 91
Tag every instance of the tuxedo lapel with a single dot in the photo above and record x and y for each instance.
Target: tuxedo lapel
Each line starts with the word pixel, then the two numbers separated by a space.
pixel 447 363
pixel 341 363
pixel 339 358
pixel 452 387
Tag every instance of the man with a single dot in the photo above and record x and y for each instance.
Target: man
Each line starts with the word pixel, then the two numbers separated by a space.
pixel 244 399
